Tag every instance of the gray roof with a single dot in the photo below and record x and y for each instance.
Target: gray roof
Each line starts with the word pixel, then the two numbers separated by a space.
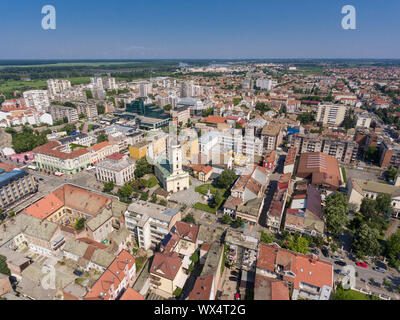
pixel 75 247
pixel 212 260
pixel 102 258
pixel 99 219
pixel 23 223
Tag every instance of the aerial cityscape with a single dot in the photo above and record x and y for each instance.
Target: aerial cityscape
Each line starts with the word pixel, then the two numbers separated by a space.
pixel 199 179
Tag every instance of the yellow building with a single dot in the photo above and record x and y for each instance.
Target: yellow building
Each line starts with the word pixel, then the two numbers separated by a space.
pixel 139 150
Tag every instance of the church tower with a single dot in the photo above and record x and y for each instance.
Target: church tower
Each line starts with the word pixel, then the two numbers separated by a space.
pixel 175 159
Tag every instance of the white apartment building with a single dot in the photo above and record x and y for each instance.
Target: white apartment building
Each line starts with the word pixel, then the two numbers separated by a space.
pixel 118 171
pixel 266 84
pixel 97 82
pixel 331 114
pixel 109 83
pixel 363 120
pixel 56 86
pixel 60 112
pixel 37 99
pixel 145 88
pixel 150 223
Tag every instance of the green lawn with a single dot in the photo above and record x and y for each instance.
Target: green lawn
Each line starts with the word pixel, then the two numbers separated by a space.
pixel 24 85
pixel 203 189
pixel 342 294
pixel 152 182
pixel 204 207
pixel 344 174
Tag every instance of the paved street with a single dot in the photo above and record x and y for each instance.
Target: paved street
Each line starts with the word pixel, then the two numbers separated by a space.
pixel 189 196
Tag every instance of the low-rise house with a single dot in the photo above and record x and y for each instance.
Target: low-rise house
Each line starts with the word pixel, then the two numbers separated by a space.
pixel 250 185
pixel 16 261
pixel 181 239
pixel 307 276
pixel 166 274
pixel 202 172
pixel 358 189
pixel 206 286
pixel 119 276
pixel 305 214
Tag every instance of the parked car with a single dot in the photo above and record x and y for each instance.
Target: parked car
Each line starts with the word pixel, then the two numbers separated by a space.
pixel 325 252
pixel 362 264
pixel 379 269
pixel 341 263
pixel 314 251
pixel 237 296
pixel 342 272
pixel 337 257
pixel 78 273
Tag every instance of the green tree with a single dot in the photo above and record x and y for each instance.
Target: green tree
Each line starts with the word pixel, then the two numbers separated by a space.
pixel 177 292
pixel 391 173
pixel 80 224
pixel 3 266
pixel 142 168
pixel 194 258
pixel 153 198
pixel 101 109
pixel 102 137
pixel 217 199
pixel 306 117
pixel 189 218
pixel 125 191
pixel 392 250
pixel 238 222
pixel 108 186
pixel 81 115
pixel 226 179
pixel 144 196
pixel 266 237
pixel 208 112
pixel 89 94
pixel 167 107
pixel 226 219
pixel 366 242
pixel 336 209
pixel 163 203
pixel 371 154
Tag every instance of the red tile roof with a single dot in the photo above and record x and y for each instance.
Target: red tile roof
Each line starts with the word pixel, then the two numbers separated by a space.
pixel 131 294
pixel 112 277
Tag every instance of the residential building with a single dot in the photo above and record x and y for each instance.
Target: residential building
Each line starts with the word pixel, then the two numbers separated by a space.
pixel 150 223
pixel 363 120
pixel 272 136
pixel 331 114
pixel 118 277
pixel 60 112
pixel 15 185
pixel 307 276
pixel 37 99
pixel 166 274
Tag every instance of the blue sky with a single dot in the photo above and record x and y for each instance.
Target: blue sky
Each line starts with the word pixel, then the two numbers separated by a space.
pixel 137 29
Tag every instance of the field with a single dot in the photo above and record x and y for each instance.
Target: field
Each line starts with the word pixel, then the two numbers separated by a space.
pixel 23 85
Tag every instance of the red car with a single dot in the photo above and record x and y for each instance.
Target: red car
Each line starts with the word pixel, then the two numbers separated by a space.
pixel 237 296
pixel 362 264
